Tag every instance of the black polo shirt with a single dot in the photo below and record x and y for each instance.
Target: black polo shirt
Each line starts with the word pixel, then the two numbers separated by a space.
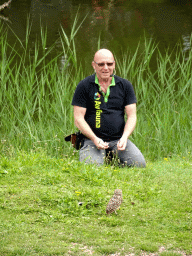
pixel 106 119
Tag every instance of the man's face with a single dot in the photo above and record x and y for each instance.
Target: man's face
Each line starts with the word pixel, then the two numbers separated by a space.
pixel 103 65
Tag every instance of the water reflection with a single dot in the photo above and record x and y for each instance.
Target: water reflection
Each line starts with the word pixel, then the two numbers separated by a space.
pixel 119 24
pixel 46 14
pixel 186 42
pixel 186 45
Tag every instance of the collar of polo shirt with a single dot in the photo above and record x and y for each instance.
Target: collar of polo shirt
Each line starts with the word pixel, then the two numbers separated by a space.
pixel 105 95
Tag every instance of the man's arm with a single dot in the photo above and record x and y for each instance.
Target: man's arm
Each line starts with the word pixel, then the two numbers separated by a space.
pixel 82 125
pixel 130 110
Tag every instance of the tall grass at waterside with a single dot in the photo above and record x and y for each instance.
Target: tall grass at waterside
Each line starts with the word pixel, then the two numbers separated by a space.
pixel 164 125
pixel 36 94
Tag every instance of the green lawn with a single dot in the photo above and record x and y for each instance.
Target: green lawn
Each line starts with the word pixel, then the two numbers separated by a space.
pixel 40 212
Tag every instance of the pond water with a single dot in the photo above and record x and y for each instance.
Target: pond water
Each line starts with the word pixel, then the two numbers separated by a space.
pixel 121 24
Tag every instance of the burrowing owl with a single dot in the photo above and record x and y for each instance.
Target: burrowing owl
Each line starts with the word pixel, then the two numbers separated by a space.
pixel 114 202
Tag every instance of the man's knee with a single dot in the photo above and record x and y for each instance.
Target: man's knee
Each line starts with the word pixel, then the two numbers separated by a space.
pixel 92 160
pixel 140 163
pixel 132 156
pixel 90 154
pixel 134 162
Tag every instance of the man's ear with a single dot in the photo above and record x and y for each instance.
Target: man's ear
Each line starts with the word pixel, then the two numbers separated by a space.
pixel 93 64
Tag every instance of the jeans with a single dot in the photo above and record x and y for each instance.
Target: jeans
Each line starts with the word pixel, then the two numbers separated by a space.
pixel 131 156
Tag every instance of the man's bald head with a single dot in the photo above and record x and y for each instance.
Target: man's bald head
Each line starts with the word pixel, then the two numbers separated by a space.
pixel 103 53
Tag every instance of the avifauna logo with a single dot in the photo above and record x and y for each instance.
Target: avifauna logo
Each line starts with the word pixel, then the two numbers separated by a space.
pixel 97 96
pixel 98 110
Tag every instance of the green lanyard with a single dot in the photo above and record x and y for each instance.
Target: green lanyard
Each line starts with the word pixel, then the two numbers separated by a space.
pixel 105 95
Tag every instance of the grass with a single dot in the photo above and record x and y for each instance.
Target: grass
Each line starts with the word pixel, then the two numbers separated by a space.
pixel 40 212
pixel 163 86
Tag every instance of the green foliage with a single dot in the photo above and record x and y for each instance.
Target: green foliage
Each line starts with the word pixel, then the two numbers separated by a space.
pixel 36 95
pixel 163 87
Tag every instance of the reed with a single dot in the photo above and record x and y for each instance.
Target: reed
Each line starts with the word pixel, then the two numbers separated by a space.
pixel 36 96
pixel 164 106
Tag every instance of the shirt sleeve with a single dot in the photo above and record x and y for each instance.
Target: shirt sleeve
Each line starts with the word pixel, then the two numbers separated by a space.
pixel 80 96
pixel 130 97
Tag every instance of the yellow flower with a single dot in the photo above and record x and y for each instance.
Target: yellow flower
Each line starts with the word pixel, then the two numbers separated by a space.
pixel 165 159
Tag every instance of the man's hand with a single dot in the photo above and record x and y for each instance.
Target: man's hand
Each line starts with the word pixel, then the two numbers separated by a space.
pixel 100 144
pixel 122 143
pixel 129 126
